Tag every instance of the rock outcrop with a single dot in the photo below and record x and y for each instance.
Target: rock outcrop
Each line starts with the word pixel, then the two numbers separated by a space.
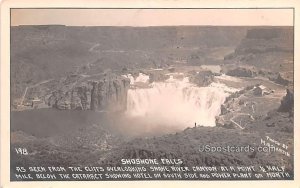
pixel 107 94
pixel 157 77
pixel 279 79
pixel 287 102
pixel 241 72
pixel 202 78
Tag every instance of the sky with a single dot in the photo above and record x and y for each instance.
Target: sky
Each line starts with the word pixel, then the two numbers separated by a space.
pixel 152 17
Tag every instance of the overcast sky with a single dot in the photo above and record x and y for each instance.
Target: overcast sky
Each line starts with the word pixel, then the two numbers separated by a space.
pixel 152 17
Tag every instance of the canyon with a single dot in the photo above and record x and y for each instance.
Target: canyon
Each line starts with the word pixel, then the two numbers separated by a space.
pixel 107 93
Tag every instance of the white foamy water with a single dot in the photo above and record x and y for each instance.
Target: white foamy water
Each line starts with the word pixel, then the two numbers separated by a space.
pixel 223 87
pixel 175 73
pixel 177 102
pixel 142 78
pixel 229 78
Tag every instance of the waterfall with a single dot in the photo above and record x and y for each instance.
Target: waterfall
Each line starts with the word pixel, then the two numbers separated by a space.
pixel 177 102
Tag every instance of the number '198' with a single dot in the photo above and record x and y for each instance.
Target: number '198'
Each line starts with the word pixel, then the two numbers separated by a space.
pixel 21 151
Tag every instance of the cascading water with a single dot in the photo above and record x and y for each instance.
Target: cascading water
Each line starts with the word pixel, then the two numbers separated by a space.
pixel 176 102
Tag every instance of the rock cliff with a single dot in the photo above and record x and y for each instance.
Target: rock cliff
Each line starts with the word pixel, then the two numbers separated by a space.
pixel 269 48
pixel 106 94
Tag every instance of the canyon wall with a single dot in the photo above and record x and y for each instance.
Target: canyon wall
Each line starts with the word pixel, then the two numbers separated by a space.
pixel 107 94
pixel 269 48
pixel 48 51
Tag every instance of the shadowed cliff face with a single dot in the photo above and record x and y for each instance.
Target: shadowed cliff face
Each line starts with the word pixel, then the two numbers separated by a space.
pixel 107 94
pixel 110 95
